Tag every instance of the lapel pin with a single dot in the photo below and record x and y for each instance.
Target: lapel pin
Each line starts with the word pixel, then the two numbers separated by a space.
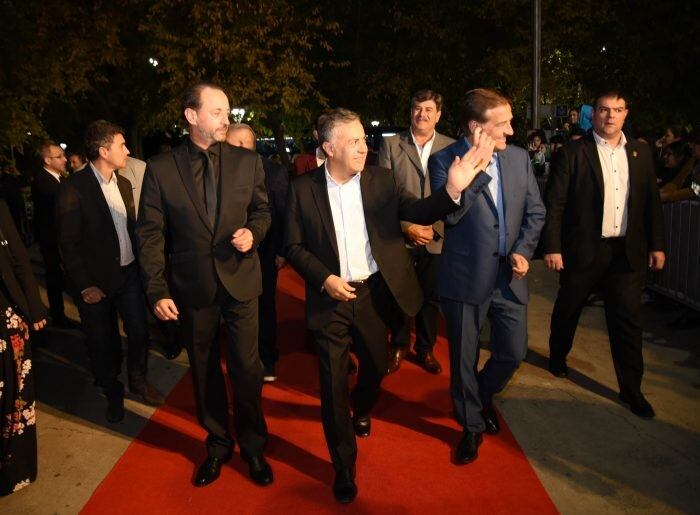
pixel 634 153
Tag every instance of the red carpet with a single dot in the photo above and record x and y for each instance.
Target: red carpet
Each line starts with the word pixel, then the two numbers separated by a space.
pixel 403 467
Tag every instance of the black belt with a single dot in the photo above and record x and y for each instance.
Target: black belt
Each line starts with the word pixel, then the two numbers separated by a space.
pixel 363 282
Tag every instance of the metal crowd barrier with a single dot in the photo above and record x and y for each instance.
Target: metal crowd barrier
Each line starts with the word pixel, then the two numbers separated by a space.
pixel 680 278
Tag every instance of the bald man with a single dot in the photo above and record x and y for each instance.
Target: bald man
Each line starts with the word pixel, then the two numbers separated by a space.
pixel 269 251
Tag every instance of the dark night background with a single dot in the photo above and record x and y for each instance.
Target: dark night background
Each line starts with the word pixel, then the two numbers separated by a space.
pixel 67 63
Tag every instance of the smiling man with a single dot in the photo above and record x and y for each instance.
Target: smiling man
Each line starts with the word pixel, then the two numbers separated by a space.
pixel 406 154
pixel 489 242
pixel 207 200
pixel 604 229
pixel 344 237
pixel 96 216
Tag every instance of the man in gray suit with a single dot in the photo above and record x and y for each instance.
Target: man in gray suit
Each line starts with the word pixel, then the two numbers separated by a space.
pixel 488 244
pixel 407 155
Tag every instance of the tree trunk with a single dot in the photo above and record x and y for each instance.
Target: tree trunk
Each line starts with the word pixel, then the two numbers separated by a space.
pixel 135 141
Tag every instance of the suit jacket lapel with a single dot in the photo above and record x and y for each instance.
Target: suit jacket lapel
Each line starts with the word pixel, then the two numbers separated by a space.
pixel 591 152
pixel 406 143
pixel 632 163
pixel 99 196
pixel 320 194
pixel 504 179
pixel 182 160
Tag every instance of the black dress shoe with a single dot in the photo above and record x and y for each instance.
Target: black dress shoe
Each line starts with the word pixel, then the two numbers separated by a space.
pixel 558 368
pixel 396 356
pixel 493 427
pixel 344 487
pixel 638 405
pixel 428 362
pixel 259 470
pixel 468 448
pixel 209 471
pixel 115 408
pixel 362 425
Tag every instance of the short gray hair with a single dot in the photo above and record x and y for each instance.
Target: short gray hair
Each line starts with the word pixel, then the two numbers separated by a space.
pixel 237 126
pixel 330 119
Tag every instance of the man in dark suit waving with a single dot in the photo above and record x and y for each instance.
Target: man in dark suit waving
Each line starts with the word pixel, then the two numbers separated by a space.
pixel 604 228
pixel 203 212
pixel 343 235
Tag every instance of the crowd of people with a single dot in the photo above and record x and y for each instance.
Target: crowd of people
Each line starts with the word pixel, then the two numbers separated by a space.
pixel 199 233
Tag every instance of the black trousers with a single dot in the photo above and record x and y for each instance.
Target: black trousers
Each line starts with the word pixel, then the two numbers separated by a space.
pixel 621 289
pixel 363 323
pixel 267 337
pixel 54 280
pixel 101 327
pixel 427 268
pixel 199 331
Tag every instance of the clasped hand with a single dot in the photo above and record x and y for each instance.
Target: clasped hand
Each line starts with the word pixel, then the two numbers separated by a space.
pixel 338 288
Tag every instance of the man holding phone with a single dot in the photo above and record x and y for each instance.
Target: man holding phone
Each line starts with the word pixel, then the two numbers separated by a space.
pixel 485 259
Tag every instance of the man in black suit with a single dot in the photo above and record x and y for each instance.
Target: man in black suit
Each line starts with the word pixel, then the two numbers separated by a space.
pixel 95 215
pixel 343 235
pixel 203 212
pixel 604 227
pixel 270 249
pixel 44 194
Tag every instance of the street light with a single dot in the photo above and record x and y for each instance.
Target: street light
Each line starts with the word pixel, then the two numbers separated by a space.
pixel 374 123
pixel 238 114
pixel 153 61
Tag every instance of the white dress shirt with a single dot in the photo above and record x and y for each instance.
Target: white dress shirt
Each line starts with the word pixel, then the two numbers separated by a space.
pixel 424 150
pixel 354 251
pixel 616 181
pixel 117 209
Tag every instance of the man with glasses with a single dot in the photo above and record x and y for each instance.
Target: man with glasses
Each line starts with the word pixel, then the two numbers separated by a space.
pixel 604 228
pixel 44 194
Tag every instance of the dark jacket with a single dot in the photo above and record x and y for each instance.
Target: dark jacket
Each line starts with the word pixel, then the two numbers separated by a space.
pixel 44 195
pixel 173 228
pixel 574 201
pixel 277 185
pixel 18 280
pixel 87 237
pixel 312 249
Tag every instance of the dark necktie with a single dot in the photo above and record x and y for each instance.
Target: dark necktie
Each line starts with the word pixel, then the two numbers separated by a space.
pixel 210 197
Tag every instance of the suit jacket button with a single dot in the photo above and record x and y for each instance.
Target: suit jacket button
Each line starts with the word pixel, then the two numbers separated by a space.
pixel 495 253
pixel 495 226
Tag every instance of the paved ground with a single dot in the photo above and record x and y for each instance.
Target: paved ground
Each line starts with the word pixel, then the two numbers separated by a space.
pixel 591 453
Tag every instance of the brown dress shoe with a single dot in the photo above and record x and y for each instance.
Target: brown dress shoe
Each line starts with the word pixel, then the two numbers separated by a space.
pixel 428 362
pixel 396 354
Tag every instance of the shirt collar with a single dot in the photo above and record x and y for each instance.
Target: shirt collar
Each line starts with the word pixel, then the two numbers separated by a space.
pixel 331 181
pixel 54 174
pixel 214 148
pixel 432 138
pixel 601 142
pixel 101 179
